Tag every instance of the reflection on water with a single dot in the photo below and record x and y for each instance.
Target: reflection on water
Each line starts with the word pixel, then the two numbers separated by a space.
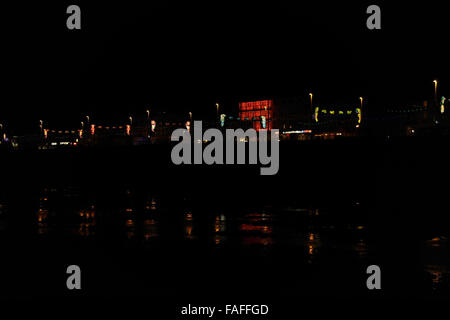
pixel 130 228
pixel 150 229
pixel 87 224
pixel 301 238
pixel 361 248
pixel 438 274
pixel 313 244
pixel 151 218
pixel 151 204
pixel 220 229
pixel 256 229
pixel 129 215
pixel 129 203
pixel 43 213
pixel 189 226
pixel 436 259
pixel 437 242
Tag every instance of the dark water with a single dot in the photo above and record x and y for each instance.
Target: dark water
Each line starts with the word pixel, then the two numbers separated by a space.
pixel 130 240
pixel 139 226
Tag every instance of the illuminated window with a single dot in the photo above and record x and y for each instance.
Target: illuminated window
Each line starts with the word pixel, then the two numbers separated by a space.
pixel 259 112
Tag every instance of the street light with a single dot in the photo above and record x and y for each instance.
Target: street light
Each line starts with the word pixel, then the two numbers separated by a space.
pixel 361 98
pixel 190 116
pixel 217 106
pixel 147 125
pixel 435 89
pixel 131 120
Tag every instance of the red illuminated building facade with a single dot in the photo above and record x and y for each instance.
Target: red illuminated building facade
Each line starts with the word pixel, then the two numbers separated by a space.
pixel 260 113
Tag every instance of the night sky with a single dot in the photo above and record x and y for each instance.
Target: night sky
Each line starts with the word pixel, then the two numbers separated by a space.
pixel 130 56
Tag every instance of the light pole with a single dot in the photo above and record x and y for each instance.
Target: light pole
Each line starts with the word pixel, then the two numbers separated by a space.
pixel 190 116
pixel 217 110
pixel 41 125
pixel 311 101
pixel 129 125
pixel 82 130
pixel 359 113
pixel 148 122
pixel 435 90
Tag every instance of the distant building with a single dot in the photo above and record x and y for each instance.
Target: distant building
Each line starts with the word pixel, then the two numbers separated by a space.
pixel 298 120
pixel 259 113
pixel 337 121
pixel 55 139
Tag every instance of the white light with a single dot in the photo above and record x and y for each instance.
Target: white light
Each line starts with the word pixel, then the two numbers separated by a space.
pixel 297 131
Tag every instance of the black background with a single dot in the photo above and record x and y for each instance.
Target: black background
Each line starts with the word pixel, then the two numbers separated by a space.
pixel 130 56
